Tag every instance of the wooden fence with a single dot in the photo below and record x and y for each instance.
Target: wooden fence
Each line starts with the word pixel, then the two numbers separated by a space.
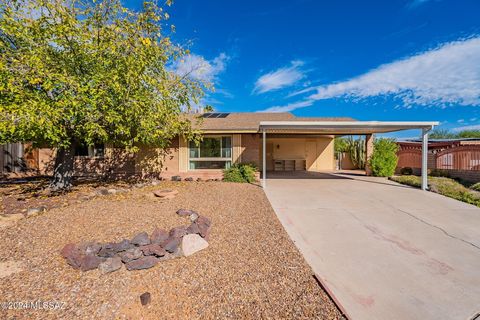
pixel 11 158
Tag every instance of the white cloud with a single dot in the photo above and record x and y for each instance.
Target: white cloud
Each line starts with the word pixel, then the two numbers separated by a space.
pixel 472 127
pixel 280 78
pixel 446 75
pixel 198 68
pixel 290 107
pixel 460 120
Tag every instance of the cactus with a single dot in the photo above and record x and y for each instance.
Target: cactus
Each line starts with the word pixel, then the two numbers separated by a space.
pixel 356 148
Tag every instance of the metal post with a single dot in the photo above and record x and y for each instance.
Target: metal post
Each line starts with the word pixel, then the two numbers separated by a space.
pixel 425 159
pixel 264 158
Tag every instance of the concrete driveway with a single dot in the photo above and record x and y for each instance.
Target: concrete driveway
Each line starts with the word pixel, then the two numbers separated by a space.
pixel 383 250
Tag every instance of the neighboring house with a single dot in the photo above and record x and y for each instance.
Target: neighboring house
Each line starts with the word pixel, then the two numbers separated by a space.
pixel 459 157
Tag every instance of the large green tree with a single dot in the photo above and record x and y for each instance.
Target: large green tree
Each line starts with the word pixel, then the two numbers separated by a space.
pixel 82 72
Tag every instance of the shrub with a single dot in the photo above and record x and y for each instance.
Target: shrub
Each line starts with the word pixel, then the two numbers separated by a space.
pixel 384 157
pixel 243 172
pixel 406 171
pixel 233 174
pixel 439 173
pixel 476 186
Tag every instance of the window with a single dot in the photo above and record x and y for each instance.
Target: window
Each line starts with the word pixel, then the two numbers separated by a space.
pixel 214 152
pixel 95 151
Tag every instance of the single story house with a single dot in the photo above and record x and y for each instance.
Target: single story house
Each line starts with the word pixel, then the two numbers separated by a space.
pixel 272 141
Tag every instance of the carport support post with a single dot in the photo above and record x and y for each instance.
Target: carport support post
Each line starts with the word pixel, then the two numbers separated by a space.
pixel 425 159
pixel 264 158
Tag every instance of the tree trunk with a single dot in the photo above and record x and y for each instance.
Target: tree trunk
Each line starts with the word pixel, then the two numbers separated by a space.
pixel 63 168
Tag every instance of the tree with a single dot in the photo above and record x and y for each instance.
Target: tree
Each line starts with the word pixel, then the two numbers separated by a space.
pixel 445 134
pixel 384 157
pixel 80 72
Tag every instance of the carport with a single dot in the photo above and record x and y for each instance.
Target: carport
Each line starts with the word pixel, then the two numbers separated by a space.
pixel 367 128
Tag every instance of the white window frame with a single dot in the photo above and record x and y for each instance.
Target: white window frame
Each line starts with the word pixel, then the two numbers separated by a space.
pixel 212 158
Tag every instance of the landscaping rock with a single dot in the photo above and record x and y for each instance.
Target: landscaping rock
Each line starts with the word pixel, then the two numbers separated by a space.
pixel 158 236
pixel 90 262
pixel 178 232
pixel 142 263
pixel 188 179
pixel 107 250
pixel 35 211
pixel 110 265
pixel 204 225
pixel 193 229
pixel 73 254
pixel 102 192
pixel 145 298
pixel 185 212
pixel 112 191
pixel 139 185
pixel 194 216
pixel 171 244
pixel 130 255
pixel 166 193
pixel 123 245
pixel 176 178
pixel 141 239
pixel 155 182
pixel 91 247
pixel 199 179
pixel 192 243
pixel 153 250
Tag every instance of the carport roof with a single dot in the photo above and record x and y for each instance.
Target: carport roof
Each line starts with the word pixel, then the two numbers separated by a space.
pixel 343 127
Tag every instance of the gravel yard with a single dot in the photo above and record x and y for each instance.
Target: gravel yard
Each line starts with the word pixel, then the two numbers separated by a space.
pixel 250 270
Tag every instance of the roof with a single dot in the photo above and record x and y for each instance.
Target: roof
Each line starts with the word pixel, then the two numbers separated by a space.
pixel 441 142
pixel 249 121
pixel 343 127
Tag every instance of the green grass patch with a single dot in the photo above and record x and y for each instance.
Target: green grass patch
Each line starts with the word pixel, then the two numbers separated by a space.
pixel 444 186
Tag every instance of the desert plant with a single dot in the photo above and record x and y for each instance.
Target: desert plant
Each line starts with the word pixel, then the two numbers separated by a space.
pixel 243 172
pixel 406 171
pixel 384 157
pixel 356 149
pixel 439 173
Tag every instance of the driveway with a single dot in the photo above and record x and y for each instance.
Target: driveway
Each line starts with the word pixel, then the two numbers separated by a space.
pixel 383 250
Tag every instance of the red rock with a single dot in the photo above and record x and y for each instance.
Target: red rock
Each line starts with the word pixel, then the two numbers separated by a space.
pixel 185 212
pixel 165 193
pixel 141 239
pixel 142 263
pixel 153 250
pixel 90 262
pixel 193 229
pixel 158 236
pixel 178 232
pixel 204 225
pixel 145 298
pixel 171 244
pixel 73 254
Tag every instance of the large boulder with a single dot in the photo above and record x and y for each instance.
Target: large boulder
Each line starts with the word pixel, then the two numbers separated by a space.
pixel 141 239
pixel 192 243
pixel 142 263
pixel 158 236
pixel 153 250
pixel 110 264
pixel 131 254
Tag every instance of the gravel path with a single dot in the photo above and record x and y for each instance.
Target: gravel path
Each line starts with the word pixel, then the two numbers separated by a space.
pixel 250 270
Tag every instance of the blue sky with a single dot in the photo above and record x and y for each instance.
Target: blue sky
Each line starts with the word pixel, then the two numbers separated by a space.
pixel 370 60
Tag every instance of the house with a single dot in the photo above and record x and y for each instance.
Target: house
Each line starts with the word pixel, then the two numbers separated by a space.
pixel 459 158
pixel 272 141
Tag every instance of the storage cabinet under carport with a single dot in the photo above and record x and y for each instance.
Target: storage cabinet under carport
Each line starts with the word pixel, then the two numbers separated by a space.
pixel 289 165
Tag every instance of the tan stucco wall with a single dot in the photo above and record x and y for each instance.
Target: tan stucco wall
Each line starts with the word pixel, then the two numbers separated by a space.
pixel 318 152
pixel 152 161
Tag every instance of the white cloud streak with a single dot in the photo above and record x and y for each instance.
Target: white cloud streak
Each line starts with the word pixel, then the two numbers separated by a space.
pixel 198 68
pixel 280 78
pixel 446 75
pixel 471 127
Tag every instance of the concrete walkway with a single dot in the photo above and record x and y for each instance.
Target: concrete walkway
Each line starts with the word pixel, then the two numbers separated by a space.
pixel 383 250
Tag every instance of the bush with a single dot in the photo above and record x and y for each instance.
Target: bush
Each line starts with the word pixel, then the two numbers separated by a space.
pixel 439 173
pixel 406 171
pixel 384 157
pixel 233 175
pixel 476 186
pixel 244 172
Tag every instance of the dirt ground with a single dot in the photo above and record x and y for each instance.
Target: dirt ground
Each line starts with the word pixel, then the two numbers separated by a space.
pixel 250 270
